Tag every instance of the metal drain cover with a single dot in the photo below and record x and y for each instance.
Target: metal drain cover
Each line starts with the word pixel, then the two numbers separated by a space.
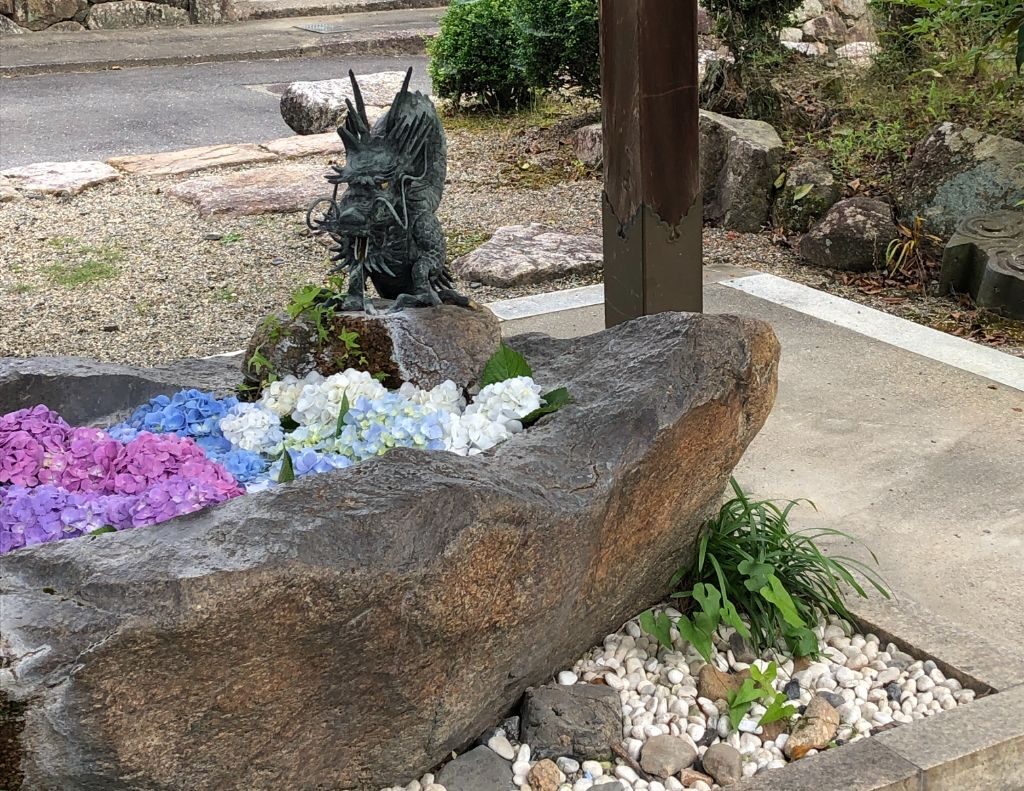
pixel 325 27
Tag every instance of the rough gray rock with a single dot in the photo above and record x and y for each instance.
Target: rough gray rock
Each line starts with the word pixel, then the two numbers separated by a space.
pixel 424 346
pixel 853 236
pixel 582 721
pixel 9 27
pixel 85 391
pixel 69 26
pixel 985 258
pixel 724 763
pixel 666 755
pixel 353 628
pixel 829 28
pixel 134 13
pixel 310 108
pixel 520 255
pixel 739 162
pixel 796 208
pixel 481 769
pixel 588 145
pixel 40 14
pixel 956 172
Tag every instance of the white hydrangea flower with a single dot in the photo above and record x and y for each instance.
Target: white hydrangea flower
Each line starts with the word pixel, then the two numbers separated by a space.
pixel 281 396
pixel 252 427
pixel 446 397
pixel 508 401
pixel 320 403
pixel 474 433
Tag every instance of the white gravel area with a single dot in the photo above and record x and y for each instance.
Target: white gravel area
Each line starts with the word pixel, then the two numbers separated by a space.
pixel 871 686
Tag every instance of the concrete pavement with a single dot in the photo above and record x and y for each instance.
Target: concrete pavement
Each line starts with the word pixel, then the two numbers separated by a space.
pixel 367 33
pixel 97 115
pixel 918 459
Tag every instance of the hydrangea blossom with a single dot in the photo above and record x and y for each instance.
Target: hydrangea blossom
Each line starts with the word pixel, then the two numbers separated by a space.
pixel 507 402
pixel 319 403
pixel 281 397
pixel 474 432
pixel 373 427
pixel 191 413
pixel 253 427
pixel 28 437
pixel 446 397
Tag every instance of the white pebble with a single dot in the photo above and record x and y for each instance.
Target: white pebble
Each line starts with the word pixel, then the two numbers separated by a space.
pixel 593 768
pixel 627 774
pixel 925 683
pixel 524 753
pixel 521 768
pixel 567 678
pixel 502 746
pixel 675 676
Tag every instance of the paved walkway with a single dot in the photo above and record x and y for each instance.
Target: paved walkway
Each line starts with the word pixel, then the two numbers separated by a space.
pixel 919 459
pixel 366 33
pixel 102 114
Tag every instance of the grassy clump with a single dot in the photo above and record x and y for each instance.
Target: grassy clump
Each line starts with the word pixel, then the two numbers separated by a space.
pixel 81 265
pixel 751 568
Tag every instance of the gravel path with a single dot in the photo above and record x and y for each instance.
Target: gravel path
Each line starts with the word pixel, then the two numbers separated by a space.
pixel 125 273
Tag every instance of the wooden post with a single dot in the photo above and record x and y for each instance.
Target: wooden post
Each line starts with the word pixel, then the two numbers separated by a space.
pixel 652 209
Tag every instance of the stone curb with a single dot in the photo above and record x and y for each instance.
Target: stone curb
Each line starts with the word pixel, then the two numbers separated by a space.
pixel 398 42
pixel 979 746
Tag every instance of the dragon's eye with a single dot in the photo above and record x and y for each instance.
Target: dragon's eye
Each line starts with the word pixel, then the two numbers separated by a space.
pixel 384 184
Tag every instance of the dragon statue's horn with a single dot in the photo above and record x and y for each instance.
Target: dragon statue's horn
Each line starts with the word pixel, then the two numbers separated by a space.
pixel 350 139
pixel 360 106
pixel 397 104
pixel 354 122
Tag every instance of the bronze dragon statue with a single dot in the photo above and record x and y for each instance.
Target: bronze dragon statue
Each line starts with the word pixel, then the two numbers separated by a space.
pixel 384 225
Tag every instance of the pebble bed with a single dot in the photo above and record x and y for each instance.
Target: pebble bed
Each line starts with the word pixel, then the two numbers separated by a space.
pixel 873 688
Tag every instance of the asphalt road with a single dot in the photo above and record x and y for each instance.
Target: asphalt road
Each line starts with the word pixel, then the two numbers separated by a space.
pixel 56 117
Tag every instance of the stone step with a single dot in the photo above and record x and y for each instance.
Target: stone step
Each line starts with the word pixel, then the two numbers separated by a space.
pixel 277 9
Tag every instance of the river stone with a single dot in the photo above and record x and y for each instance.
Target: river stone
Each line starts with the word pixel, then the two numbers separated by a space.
pixel 521 255
pixel 189 160
pixel 481 769
pixel 311 108
pixel 797 207
pixel 829 28
pixel 814 730
pixel 739 162
pixel 424 346
pixel 957 172
pixel 582 721
pixel 275 189
pixel 666 755
pixel 985 258
pixel 724 763
pixel 54 178
pixel 853 236
pixel 355 627
pixel 715 684
pixel 134 13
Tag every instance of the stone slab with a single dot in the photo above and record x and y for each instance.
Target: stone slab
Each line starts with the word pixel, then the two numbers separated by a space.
pixel 59 177
pixel 276 189
pixel 519 255
pixel 980 746
pixel 866 765
pixel 189 160
pixel 305 145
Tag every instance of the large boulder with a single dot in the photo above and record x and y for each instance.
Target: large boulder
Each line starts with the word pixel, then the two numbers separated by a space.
pixel 311 108
pixel 425 346
pixel 521 255
pixel 739 162
pixel 957 171
pixel 985 258
pixel 853 236
pixel 40 14
pixel 808 192
pixel 350 630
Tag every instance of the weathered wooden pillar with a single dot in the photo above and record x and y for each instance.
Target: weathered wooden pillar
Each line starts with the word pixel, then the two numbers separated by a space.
pixel 652 201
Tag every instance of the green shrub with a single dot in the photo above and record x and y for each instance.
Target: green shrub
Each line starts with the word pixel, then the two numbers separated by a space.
pixel 475 55
pixel 559 43
pixel 749 563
